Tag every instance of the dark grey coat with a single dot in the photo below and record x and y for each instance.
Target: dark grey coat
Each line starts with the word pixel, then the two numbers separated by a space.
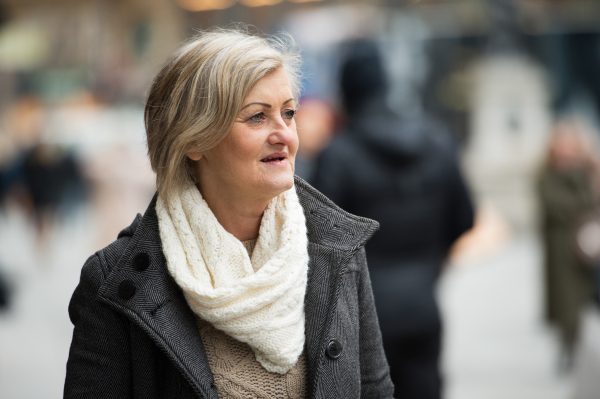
pixel 148 346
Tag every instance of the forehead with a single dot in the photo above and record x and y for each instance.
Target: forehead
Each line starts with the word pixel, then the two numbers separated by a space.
pixel 275 85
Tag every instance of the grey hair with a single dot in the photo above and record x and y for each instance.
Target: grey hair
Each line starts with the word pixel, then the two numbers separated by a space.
pixel 194 99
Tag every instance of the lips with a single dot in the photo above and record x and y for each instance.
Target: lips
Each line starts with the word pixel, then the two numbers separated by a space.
pixel 276 157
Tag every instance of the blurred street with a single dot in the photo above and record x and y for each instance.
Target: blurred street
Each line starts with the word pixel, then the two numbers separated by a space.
pixel 35 334
pixel 496 345
pixel 38 327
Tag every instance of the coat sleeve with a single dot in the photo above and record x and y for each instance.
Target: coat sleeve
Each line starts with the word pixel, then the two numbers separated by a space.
pixel 99 358
pixel 374 369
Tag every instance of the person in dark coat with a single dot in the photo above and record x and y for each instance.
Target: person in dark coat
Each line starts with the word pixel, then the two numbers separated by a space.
pixel 403 173
pixel 240 280
pixel 566 196
pixel 48 173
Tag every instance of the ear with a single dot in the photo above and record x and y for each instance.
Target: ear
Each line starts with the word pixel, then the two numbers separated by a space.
pixel 194 155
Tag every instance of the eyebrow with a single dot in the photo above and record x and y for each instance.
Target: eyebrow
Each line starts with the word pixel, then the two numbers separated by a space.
pixel 265 104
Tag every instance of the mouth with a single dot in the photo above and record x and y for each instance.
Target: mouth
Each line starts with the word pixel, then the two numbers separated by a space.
pixel 275 158
pixel 272 159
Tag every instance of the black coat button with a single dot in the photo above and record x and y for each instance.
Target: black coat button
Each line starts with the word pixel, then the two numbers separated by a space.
pixel 141 261
pixel 334 349
pixel 126 289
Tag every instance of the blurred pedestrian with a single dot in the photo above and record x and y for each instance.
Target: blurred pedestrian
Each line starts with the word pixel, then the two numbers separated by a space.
pixel 37 175
pixel 567 195
pixel 404 174
pixel 241 280
pixel 25 120
pixel 49 171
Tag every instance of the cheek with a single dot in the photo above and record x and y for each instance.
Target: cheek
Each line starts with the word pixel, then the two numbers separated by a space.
pixel 248 150
pixel 229 157
pixel 244 150
pixel 295 143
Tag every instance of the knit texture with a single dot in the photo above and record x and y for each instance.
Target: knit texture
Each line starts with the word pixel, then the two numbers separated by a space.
pixel 258 300
pixel 249 246
pixel 236 372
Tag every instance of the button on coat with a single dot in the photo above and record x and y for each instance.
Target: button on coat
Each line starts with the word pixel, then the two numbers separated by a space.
pixel 126 289
pixel 141 261
pixel 334 349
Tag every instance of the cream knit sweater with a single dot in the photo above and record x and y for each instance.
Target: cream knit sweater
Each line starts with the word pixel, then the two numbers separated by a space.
pixel 236 372
pixel 257 300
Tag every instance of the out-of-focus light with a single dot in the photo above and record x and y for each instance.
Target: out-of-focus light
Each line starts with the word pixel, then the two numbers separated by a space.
pixel 23 46
pixel 303 1
pixel 258 3
pixel 204 5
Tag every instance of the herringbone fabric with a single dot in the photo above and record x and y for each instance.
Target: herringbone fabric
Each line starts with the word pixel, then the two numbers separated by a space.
pixel 145 343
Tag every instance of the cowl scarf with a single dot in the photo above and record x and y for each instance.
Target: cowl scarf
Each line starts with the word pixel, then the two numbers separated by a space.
pixel 258 300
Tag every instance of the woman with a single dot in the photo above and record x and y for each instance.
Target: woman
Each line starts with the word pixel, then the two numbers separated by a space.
pixel 567 196
pixel 240 281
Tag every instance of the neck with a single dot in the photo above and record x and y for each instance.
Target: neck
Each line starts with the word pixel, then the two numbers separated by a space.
pixel 240 215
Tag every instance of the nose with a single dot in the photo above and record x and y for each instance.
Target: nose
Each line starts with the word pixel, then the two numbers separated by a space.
pixel 282 133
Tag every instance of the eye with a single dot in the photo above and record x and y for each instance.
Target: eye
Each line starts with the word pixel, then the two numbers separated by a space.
pixel 289 114
pixel 258 118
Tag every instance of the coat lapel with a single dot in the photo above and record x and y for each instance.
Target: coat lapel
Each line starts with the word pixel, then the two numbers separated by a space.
pixel 157 305
pixel 334 237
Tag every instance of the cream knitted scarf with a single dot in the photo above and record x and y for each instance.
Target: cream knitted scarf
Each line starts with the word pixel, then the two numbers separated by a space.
pixel 259 301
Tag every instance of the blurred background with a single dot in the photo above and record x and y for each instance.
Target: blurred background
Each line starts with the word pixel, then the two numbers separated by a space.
pixel 515 82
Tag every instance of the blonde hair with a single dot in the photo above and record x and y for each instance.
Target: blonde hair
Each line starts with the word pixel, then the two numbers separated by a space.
pixel 195 98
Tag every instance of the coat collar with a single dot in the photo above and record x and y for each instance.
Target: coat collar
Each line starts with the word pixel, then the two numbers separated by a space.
pixel 330 226
pixel 159 308
pixel 334 236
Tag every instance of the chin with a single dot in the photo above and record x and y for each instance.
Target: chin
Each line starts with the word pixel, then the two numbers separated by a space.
pixel 280 184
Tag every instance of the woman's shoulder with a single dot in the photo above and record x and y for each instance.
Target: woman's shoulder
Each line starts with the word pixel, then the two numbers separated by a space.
pixel 103 260
pixel 114 250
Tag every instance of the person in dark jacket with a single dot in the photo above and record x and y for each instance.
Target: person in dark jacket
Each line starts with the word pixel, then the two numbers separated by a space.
pixel 240 280
pixel 403 173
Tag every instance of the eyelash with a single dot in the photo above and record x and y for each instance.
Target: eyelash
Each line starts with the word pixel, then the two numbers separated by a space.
pixel 262 116
pixel 293 112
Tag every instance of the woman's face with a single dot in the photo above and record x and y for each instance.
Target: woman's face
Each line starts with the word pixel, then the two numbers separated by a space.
pixel 566 150
pixel 256 158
